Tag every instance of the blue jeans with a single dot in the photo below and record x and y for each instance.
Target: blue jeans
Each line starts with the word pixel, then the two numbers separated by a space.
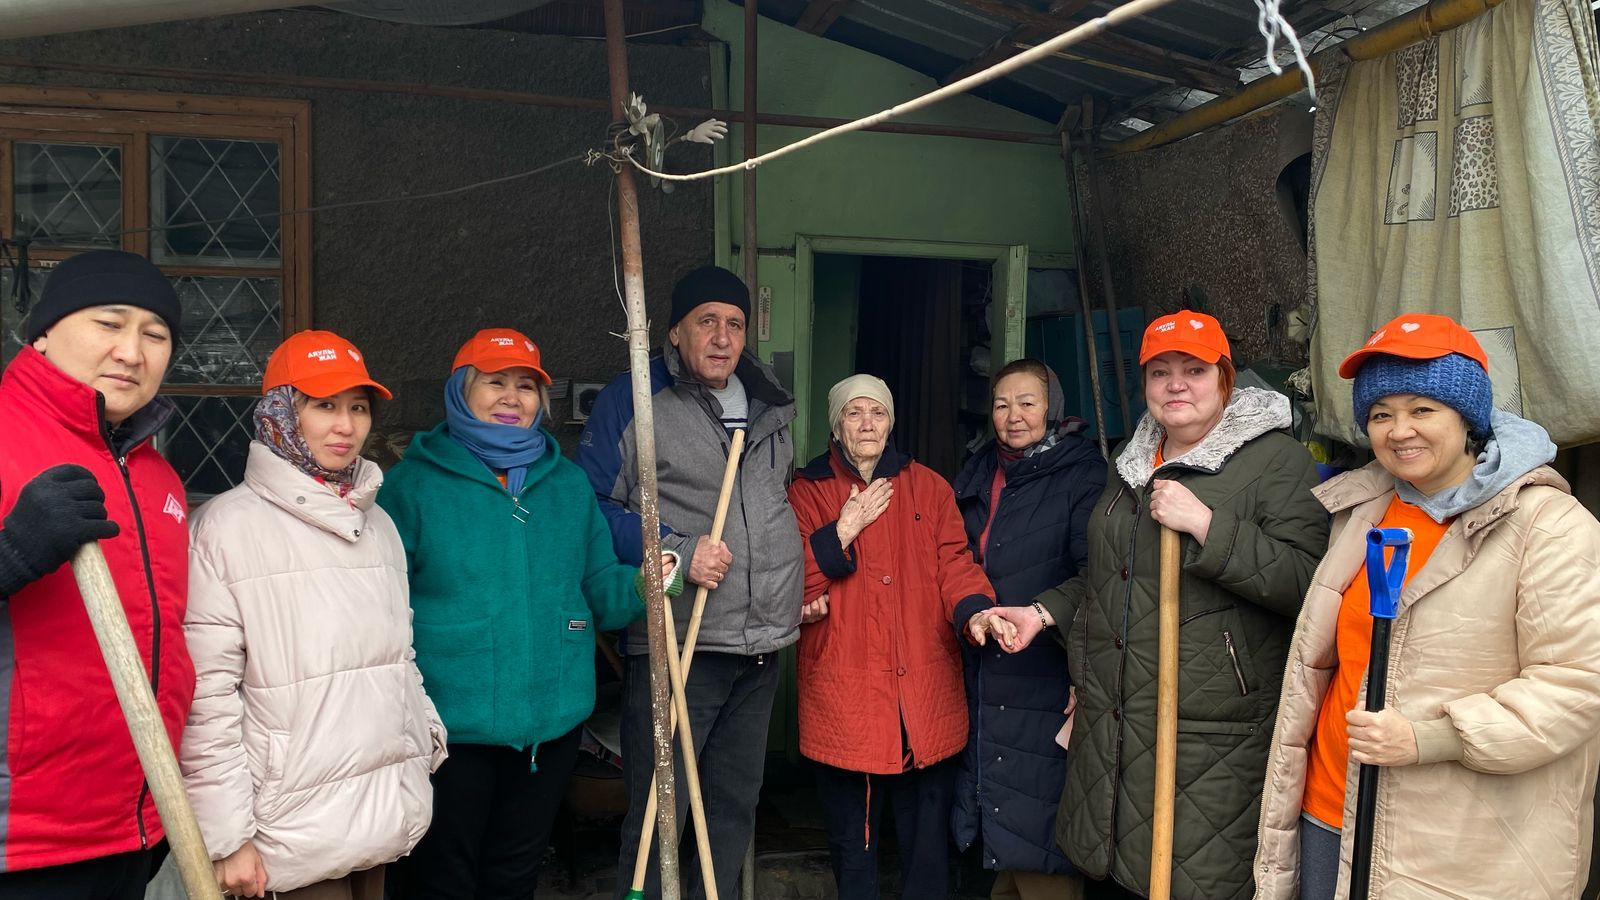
pixel 1319 861
pixel 730 703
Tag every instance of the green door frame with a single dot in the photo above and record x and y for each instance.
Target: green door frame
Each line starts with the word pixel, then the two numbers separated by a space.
pixel 1007 318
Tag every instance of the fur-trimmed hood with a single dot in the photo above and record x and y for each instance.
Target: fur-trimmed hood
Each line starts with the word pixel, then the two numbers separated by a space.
pixel 1250 413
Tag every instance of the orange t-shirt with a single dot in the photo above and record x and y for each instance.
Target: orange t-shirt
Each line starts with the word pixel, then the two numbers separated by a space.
pixel 1330 746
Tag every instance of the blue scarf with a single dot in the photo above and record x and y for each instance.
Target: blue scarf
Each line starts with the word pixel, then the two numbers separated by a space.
pixel 508 447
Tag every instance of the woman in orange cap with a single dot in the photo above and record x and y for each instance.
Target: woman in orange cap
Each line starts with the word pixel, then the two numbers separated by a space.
pixel 309 744
pixel 1490 735
pixel 512 571
pixel 1211 462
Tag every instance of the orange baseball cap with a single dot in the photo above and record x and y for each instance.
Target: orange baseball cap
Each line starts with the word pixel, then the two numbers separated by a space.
pixel 1417 336
pixel 497 349
pixel 1185 331
pixel 319 364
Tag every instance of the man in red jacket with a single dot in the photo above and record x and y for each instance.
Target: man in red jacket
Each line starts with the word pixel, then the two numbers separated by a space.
pixel 78 408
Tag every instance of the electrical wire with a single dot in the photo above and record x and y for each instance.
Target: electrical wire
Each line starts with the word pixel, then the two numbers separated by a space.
pixel 324 207
pixel 1124 13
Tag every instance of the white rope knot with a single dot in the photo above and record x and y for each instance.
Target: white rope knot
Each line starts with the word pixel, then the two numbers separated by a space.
pixel 1273 27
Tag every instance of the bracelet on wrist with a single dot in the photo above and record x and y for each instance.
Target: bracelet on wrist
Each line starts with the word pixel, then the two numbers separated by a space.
pixel 1039 608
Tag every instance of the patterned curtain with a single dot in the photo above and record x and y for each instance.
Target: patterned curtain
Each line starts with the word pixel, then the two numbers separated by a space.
pixel 1462 176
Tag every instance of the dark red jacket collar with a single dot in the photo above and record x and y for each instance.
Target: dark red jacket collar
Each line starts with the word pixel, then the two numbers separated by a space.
pixel 832 462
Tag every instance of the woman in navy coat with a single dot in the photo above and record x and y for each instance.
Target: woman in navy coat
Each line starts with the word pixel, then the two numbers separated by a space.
pixel 1025 500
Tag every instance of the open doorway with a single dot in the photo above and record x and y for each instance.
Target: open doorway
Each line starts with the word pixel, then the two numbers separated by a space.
pixel 922 325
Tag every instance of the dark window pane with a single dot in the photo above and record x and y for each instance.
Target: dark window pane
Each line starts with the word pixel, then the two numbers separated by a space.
pixel 68 195
pixel 230 326
pixel 197 183
pixel 207 441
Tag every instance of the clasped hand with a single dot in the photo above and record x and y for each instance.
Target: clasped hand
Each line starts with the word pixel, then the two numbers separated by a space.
pixel 1383 738
pixel 1013 627
pixel 1175 506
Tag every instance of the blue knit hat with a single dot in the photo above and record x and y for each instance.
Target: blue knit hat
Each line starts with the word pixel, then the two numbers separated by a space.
pixel 1457 381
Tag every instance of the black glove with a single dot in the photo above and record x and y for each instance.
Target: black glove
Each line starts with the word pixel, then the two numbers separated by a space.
pixel 57 512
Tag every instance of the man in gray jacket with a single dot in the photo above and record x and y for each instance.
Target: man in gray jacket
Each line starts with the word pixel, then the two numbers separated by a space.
pixel 703 386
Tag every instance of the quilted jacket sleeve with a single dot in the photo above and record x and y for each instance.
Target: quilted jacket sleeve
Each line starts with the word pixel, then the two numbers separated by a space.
pixel 819 535
pixel 215 770
pixel 963 587
pixel 1553 707
pixel 1266 547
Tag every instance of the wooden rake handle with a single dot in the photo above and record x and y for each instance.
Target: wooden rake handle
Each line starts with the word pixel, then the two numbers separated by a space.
pixel 730 473
pixel 1166 719
pixel 139 708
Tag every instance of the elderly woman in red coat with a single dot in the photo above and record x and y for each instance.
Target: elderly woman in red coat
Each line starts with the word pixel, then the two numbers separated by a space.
pixel 890 585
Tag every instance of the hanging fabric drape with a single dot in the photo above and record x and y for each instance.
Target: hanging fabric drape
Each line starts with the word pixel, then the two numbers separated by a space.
pixel 1461 176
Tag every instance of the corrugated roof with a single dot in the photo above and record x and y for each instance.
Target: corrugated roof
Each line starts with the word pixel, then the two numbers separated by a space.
pixel 1175 58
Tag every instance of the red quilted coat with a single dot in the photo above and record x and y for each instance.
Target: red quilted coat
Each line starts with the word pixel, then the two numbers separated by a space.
pixel 887 651
pixel 71 788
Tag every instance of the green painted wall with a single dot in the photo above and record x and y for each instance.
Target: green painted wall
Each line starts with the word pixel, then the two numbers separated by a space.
pixel 836 295
pixel 886 187
pixel 883 188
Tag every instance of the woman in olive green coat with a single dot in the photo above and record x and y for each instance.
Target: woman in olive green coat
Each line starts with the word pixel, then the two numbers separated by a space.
pixel 1212 463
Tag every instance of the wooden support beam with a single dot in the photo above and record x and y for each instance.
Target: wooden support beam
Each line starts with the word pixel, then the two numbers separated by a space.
pixel 1000 50
pixel 1147 59
pixel 819 15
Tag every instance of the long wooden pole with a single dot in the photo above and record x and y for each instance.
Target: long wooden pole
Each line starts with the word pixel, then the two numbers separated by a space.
pixel 719 518
pixel 645 451
pixel 1166 720
pixel 749 251
pixel 1090 345
pixel 139 708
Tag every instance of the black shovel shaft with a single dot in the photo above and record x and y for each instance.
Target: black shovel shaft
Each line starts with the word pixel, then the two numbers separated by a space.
pixel 1367 787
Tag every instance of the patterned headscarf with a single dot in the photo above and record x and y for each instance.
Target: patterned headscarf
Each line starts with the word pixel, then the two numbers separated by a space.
pixel 278 426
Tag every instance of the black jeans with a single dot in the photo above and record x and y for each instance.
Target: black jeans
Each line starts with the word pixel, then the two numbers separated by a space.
pixel 492 819
pixel 118 877
pixel 852 809
pixel 730 704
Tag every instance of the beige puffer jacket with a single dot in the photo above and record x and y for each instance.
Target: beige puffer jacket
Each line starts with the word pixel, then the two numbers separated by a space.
pixel 1495 658
pixel 310 733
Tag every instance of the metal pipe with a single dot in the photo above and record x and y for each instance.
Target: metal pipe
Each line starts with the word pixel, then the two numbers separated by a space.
pixel 748 253
pixel 519 98
pixel 1113 327
pixel 644 436
pixel 36 18
pixel 1396 34
pixel 1081 255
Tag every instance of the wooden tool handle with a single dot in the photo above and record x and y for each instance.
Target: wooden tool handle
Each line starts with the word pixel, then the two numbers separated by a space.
pixel 719 518
pixel 139 708
pixel 1166 719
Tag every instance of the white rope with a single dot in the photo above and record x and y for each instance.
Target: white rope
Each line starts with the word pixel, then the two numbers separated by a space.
pixel 1273 26
pixel 1118 16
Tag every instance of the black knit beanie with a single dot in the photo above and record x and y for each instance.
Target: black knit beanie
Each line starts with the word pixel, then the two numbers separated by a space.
pixel 708 284
pixel 103 278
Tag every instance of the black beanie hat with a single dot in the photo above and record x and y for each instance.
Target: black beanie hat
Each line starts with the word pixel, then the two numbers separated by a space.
pixel 103 278
pixel 708 284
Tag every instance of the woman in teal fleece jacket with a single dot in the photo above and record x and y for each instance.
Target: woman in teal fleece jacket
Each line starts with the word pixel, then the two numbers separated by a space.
pixel 511 571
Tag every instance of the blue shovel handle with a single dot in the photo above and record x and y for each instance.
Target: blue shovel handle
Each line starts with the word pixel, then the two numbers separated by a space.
pixel 1384 581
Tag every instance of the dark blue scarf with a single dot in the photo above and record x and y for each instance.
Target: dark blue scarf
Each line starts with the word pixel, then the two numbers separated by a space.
pixel 511 448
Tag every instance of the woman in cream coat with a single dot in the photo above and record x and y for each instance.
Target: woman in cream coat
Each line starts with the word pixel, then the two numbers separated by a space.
pixel 308 748
pixel 1490 735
